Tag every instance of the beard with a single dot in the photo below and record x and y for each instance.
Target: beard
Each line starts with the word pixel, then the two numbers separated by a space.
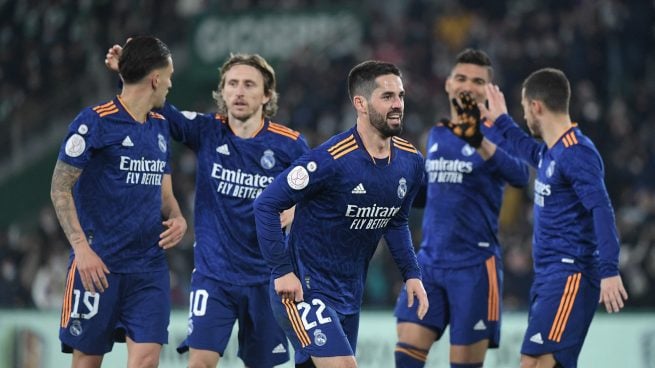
pixel 534 126
pixel 379 122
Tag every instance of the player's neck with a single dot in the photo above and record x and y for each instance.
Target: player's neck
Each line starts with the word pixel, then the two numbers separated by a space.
pixel 556 126
pixel 376 145
pixel 137 101
pixel 245 128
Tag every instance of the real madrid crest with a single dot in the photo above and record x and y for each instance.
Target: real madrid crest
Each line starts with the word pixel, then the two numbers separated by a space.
pixel 467 150
pixel 551 169
pixel 75 328
pixel 319 338
pixel 162 142
pixel 402 188
pixel 268 159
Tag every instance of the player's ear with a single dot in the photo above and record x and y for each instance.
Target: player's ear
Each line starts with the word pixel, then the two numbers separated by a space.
pixel 537 107
pixel 154 79
pixel 360 103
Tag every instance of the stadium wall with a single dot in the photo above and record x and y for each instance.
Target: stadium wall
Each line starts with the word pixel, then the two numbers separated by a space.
pixel 29 339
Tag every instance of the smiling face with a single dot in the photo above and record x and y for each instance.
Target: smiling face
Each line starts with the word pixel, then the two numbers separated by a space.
pixel 243 92
pixel 469 78
pixel 386 105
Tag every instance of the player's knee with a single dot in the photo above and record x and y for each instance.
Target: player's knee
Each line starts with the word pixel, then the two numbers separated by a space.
pixel 409 356
pixel 145 361
pixel 528 361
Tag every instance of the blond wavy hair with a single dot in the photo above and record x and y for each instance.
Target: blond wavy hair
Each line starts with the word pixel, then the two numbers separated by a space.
pixel 259 63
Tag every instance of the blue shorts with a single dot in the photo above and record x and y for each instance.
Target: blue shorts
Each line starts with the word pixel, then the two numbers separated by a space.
pixel 314 328
pixel 137 305
pixel 467 299
pixel 562 306
pixel 215 306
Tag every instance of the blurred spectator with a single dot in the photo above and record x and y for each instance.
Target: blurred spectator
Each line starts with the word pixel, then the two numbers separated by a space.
pixel 49 50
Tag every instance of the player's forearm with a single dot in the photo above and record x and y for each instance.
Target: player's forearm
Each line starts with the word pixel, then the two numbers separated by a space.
pixel 170 208
pixel 400 245
pixel 608 240
pixel 517 140
pixel 63 179
pixel 510 169
pixel 269 235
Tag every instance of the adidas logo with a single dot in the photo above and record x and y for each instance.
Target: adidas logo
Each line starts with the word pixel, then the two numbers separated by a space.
pixel 222 149
pixel 480 326
pixel 359 189
pixel 127 142
pixel 433 148
pixel 536 338
pixel 279 349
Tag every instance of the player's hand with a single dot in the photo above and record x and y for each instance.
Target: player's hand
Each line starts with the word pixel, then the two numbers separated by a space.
pixel 112 57
pixel 496 101
pixel 612 293
pixel 92 269
pixel 415 288
pixel 289 287
pixel 467 126
pixel 175 230
pixel 286 217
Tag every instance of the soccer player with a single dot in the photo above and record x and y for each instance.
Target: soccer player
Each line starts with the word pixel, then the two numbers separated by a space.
pixel 239 151
pixel 460 257
pixel 575 244
pixel 349 192
pixel 111 188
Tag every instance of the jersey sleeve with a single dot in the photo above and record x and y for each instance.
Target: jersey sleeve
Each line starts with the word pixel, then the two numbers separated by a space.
pixel 305 177
pixel 398 235
pixel 583 167
pixel 509 168
pixel 186 126
pixel 81 140
pixel 518 141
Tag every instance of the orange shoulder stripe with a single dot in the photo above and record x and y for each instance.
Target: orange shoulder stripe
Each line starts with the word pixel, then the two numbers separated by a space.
pixel 343 142
pixel 105 113
pixel 157 115
pixel 343 152
pixel 283 128
pixel 105 105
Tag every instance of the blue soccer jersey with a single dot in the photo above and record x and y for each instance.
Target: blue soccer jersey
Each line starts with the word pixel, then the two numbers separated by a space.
pixel 231 173
pixel 118 195
pixel 345 202
pixel 574 227
pixel 464 195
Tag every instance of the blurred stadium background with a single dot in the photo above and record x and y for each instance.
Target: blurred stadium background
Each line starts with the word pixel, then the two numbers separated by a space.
pixel 51 66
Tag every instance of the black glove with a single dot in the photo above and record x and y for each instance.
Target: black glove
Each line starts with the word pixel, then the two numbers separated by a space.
pixel 468 115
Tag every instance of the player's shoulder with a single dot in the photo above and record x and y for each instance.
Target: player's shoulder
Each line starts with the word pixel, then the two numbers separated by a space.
pixel 282 132
pixel 340 145
pixel 574 142
pixel 404 145
pixel 103 109
pixel 92 116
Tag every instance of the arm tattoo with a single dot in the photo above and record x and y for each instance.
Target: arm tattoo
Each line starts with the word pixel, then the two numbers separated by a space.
pixel 61 194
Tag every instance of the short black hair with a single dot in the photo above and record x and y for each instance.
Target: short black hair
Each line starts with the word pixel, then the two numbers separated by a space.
pixel 550 86
pixel 476 57
pixel 140 56
pixel 361 79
